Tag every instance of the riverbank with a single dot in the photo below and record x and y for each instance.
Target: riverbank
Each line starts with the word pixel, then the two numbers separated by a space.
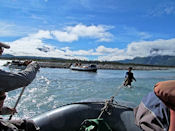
pixel 111 66
pixel 100 65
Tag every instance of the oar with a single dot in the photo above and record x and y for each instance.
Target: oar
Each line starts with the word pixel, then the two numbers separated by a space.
pixel 17 101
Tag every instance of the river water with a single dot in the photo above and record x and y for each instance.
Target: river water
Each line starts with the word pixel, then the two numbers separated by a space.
pixel 54 87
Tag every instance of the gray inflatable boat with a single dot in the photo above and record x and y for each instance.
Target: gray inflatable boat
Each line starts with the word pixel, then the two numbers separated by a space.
pixel 91 68
pixel 69 117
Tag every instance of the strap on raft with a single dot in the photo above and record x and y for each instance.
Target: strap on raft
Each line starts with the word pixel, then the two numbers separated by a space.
pixel 95 125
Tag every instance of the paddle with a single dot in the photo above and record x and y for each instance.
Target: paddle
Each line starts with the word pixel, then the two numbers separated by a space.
pixel 17 101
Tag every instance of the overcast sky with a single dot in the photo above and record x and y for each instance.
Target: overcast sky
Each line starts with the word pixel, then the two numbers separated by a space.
pixel 88 29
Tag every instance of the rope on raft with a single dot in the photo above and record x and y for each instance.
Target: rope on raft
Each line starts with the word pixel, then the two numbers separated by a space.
pixel 99 123
pixel 109 102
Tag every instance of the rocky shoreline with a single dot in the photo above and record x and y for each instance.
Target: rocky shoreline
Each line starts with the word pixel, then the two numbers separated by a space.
pixel 100 65
pixel 106 66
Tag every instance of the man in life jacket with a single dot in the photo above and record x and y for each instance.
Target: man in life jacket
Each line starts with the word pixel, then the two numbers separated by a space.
pixel 10 81
pixel 129 77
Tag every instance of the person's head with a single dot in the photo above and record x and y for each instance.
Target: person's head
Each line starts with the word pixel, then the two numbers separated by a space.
pixel 130 68
pixel 2 46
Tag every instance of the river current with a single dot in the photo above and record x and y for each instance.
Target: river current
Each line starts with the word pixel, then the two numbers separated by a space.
pixel 54 87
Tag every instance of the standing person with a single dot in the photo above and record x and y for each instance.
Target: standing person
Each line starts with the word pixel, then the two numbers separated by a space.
pixel 129 77
pixel 10 81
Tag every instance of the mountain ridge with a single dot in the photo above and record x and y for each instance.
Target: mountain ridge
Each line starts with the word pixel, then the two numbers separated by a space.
pixel 165 60
pixel 158 60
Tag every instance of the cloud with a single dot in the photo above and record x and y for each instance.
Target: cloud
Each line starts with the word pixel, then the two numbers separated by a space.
pixel 32 5
pixel 41 34
pixel 141 49
pixel 103 50
pixel 68 34
pixel 148 48
pixel 64 36
pixel 12 30
pixel 33 45
pixel 68 51
pixel 36 45
pixel 132 32
pixel 167 8
pixel 6 29
pixel 73 33
pixel 111 54
pixel 144 35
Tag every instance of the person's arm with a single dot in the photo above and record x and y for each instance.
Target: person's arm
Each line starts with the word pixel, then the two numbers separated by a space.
pixel 10 81
pixel 165 90
pixel 172 120
pixel 134 78
pixel 7 111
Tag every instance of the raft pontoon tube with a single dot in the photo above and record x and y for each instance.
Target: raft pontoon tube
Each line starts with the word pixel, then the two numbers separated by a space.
pixel 70 117
pixel 92 68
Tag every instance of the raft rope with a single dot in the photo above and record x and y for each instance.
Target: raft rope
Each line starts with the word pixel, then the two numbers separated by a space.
pixel 105 108
pixel 117 91
pixel 91 124
pixel 108 102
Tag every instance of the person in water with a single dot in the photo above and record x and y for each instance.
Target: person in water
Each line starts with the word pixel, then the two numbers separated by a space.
pixel 129 77
pixel 10 81
pixel 156 112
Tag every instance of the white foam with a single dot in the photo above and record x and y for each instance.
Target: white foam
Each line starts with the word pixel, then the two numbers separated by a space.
pixel 2 62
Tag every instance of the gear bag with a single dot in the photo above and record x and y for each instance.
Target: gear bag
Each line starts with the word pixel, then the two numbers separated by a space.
pixel 94 125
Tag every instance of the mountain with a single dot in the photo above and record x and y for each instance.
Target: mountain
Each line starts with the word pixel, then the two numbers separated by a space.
pixel 12 57
pixel 7 56
pixel 159 60
pixel 152 60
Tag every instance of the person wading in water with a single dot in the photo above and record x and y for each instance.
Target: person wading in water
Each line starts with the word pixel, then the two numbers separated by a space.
pixel 129 77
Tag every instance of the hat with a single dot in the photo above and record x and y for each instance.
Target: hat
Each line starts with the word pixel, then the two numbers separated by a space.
pixel 4 45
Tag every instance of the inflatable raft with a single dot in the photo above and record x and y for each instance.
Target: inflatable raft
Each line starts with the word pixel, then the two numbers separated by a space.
pixel 92 68
pixel 71 116
pixel 16 64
